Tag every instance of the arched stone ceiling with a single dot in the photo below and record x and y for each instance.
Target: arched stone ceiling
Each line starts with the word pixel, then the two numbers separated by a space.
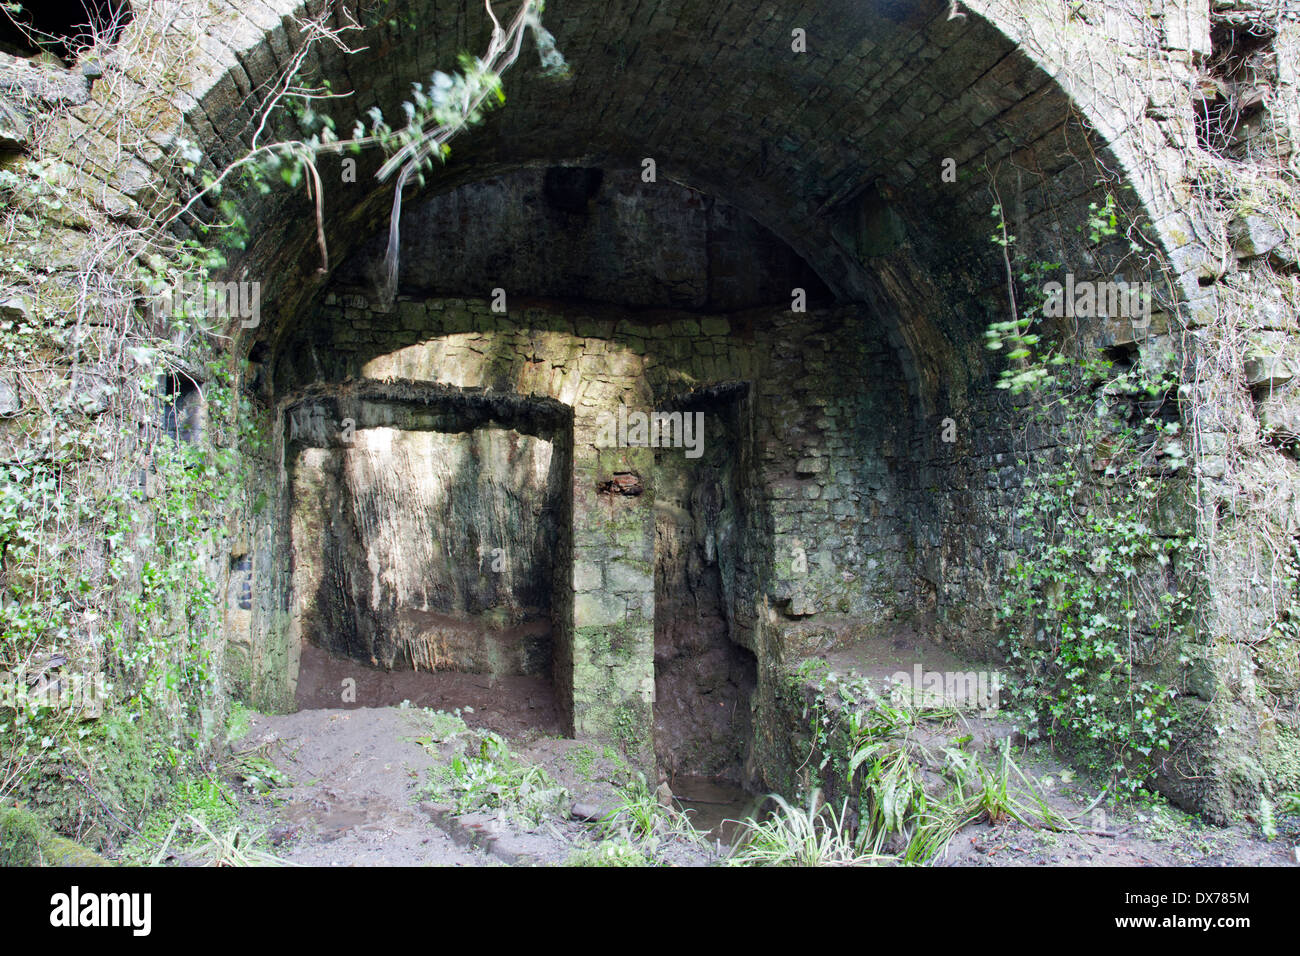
pixel 836 150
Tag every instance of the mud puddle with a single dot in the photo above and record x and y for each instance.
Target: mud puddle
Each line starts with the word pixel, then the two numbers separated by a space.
pixel 716 808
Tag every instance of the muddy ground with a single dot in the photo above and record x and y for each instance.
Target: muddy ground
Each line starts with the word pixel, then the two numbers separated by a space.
pixel 355 793
pixel 520 704
pixel 1150 834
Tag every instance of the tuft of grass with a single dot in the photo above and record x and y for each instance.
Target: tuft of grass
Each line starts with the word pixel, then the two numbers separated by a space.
pixel 911 797
pixel 183 826
pixel 795 837
pixel 641 817
pixel 980 792
pixel 232 846
pixel 896 810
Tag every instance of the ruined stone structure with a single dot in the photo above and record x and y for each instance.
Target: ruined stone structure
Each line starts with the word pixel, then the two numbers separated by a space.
pixel 546 283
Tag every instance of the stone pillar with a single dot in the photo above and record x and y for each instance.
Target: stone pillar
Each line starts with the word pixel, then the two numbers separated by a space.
pixel 613 583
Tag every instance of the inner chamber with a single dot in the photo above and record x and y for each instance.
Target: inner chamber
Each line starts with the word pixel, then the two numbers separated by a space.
pixel 824 262
pixel 457 528
pixel 428 550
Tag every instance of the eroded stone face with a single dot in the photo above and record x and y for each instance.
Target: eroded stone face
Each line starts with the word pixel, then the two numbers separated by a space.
pixel 430 549
pixel 580 233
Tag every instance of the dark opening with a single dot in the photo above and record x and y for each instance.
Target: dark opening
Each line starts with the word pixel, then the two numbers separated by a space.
pixel 61 27
pixel 571 188
pixel 704 678
pixel 1232 100
pixel 182 404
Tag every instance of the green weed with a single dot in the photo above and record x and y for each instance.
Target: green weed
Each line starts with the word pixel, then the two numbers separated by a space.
pixel 795 837
pixel 493 779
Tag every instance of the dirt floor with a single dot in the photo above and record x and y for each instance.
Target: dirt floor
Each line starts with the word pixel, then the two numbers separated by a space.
pixel 352 776
pixel 518 704
pixel 1134 835
pixel 367 783
pixel 355 794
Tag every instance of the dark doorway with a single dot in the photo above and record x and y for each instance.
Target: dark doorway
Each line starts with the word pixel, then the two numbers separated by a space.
pixel 704 677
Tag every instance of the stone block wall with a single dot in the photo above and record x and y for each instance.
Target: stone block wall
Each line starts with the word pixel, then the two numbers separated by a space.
pixel 811 148
pixel 820 557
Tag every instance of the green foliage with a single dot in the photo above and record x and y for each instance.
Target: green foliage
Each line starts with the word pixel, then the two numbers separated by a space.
pixel 870 750
pixel 92 780
pixel 584 761
pixel 1091 598
pixel 232 847
pixel 449 104
pixel 639 814
pixel 492 778
pixel 198 800
pixel 103 519
pixel 1095 599
pixel 444 727
pixel 1020 337
pixel 891 797
pixel 895 808
pixel 1267 818
pixel 1103 220
pixel 200 821
pixel 26 841
pixel 817 836
pixel 642 821
pixel 628 727
pixel 109 525
pixel 615 852
pixel 1016 337
pixel 255 770
pixel 238 720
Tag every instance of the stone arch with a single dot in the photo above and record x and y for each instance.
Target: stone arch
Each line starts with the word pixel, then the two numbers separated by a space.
pixel 847 138
pixel 837 150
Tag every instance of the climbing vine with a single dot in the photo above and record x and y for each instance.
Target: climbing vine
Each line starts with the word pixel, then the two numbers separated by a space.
pixel 126 433
pixel 1098 597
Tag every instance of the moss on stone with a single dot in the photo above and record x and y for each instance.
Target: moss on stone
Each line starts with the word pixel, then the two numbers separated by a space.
pixel 122 767
pixel 25 841
pixel 1282 761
